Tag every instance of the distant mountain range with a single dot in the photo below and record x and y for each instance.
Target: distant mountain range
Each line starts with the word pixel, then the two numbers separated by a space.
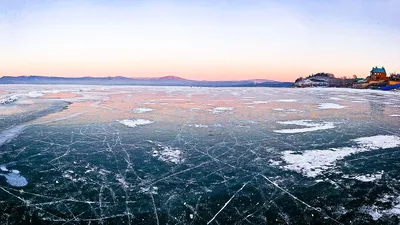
pixel 160 81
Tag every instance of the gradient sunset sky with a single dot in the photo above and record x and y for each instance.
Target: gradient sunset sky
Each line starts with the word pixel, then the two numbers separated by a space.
pixel 203 39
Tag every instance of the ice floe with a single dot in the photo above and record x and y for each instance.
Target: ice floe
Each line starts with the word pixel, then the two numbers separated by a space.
pixel 308 124
pixel 142 110
pixel 312 163
pixel 135 123
pixel 330 106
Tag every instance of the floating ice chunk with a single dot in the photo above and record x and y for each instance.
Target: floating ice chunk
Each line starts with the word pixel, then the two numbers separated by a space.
pixel 15 179
pixel 310 126
pixel 134 123
pixel 336 99
pixel 314 162
pixel 287 100
pixel 142 110
pixel 221 109
pixel 330 106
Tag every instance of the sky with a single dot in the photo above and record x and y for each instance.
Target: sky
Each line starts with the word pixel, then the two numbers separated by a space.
pixel 203 39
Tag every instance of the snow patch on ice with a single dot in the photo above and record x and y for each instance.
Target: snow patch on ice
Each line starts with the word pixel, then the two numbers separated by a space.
pixel 330 106
pixel 310 126
pixel 15 179
pixel 312 163
pixel 287 110
pixel 11 133
pixel 336 99
pixel 221 109
pixel 369 177
pixel 35 94
pixel 142 110
pixel 8 100
pixel 286 100
pixel 371 210
pixel 198 125
pixel 135 123
pixel 376 212
pixel 259 102
pixel 169 154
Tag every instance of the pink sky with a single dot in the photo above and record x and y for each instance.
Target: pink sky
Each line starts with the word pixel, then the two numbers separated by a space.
pixel 254 39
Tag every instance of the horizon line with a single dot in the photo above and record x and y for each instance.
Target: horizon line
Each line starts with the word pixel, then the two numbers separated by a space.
pixel 131 77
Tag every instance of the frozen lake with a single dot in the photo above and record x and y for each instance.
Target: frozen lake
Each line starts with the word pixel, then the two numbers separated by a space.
pixel 187 155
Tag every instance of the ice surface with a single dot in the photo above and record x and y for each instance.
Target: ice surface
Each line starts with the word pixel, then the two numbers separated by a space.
pixel 310 126
pixel 136 122
pixel 330 106
pixel 195 167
